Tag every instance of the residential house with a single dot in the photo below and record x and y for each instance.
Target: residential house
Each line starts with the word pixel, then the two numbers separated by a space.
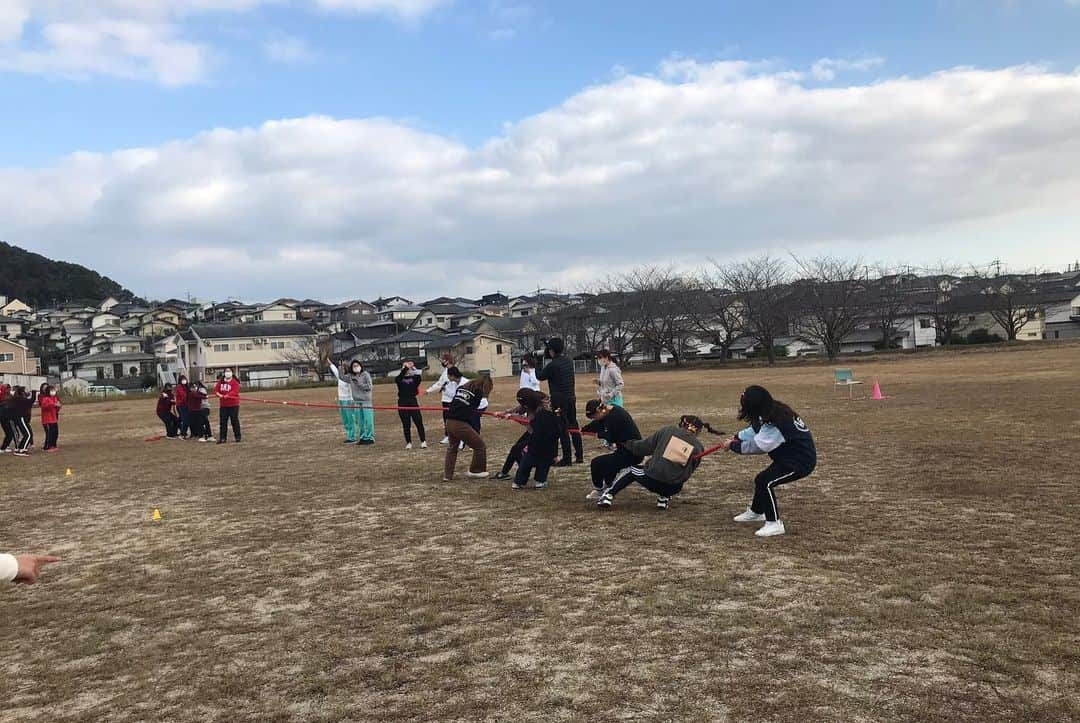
pixel 277 311
pixel 410 344
pixel 523 332
pixel 262 354
pixel 382 303
pixel 108 303
pixel 474 353
pixel 110 356
pixel 403 315
pixel 12 327
pixel 444 315
pixel 16 358
pixel 1062 321
pixel 11 307
pixel 352 313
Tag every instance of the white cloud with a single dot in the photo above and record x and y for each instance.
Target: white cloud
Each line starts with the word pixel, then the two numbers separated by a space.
pixel 826 69
pixel 288 50
pixel 145 39
pixel 701 160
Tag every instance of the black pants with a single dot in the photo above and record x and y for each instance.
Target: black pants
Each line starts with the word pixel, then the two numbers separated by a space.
pixel 182 425
pixel 528 464
pixel 409 417
pixel 567 407
pixel 52 435
pixel 225 416
pixel 514 455
pixel 29 429
pixel 199 423
pixel 776 474
pixel 171 423
pixel 607 467
pixel 9 432
pixel 23 434
pixel 636 474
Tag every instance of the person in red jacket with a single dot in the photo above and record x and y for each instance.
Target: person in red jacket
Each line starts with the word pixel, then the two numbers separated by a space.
pixel 165 404
pixel 228 391
pixel 198 418
pixel 50 417
pixel 180 394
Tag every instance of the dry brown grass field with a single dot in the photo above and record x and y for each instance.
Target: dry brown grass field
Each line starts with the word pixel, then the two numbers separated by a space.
pixel 929 571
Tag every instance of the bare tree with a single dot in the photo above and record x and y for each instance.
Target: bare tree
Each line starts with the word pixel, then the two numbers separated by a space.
pixel 828 299
pixel 718 313
pixel 659 299
pixel 760 285
pixel 944 311
pixel 614 317
pixel 1011 301
pixel 886 301
pixel 306 352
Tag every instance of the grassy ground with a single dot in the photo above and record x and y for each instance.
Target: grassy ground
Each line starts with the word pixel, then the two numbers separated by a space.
pixel 929 572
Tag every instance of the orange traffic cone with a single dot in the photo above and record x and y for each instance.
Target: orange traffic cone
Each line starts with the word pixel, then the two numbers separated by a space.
pixel 876 394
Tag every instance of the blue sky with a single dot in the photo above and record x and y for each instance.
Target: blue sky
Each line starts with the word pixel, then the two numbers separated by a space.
pixel 469 75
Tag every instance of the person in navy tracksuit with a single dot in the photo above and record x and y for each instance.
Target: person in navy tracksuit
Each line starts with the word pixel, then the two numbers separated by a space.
pixel 776 430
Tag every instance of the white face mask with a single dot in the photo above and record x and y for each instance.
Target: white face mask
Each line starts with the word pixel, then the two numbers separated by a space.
pixel 357 369
pixel 228 375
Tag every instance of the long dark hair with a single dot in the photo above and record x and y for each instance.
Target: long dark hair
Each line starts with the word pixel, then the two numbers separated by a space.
pixel 758 407
pixel 482 385
pixel 692 420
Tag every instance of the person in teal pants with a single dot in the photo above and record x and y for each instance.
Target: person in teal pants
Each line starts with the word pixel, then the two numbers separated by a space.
pixel 360 385
pixel 345 403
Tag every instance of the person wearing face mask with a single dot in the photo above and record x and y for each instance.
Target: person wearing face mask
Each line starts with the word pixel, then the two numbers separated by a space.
pixel 50 417
pixel 364 416
pixel 345 402
pixel 180 395
pixel 228 391
pixel 408 386
pixel 610 384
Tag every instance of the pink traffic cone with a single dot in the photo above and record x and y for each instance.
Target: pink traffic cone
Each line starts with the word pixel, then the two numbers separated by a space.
pixel 877 392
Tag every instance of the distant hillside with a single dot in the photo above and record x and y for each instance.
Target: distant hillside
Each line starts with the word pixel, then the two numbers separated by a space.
pixel 40 281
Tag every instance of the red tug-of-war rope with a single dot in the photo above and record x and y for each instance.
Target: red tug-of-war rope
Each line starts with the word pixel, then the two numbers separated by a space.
pixel 386 408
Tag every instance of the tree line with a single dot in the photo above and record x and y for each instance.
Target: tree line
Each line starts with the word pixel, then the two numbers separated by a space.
pixel 821 300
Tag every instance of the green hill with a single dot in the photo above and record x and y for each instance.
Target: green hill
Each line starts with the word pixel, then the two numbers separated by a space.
pixel 40 281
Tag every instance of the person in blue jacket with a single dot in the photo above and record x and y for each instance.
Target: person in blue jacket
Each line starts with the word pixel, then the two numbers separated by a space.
pixel 776 430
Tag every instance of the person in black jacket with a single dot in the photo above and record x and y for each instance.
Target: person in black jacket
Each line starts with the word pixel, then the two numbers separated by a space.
pixel 408 387
pixel 459 415
pixel 543 443
pixel 613 425
pixel 7 416
pixel 21 404
pixel 559 374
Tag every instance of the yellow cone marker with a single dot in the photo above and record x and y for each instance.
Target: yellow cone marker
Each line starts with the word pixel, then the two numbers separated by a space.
pixel 67 472
pixel 157 514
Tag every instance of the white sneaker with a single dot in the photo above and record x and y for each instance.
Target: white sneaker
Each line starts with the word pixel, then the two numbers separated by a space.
pixel 408 446
pixel 771 529
pixel 478 475
pixel 423 445
pixel 593 495
pixel 445 440
pixel 749 516
pixel 461 445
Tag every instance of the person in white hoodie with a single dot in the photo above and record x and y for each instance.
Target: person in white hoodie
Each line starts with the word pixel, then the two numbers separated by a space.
pixel 345 403
pixel 447 387
pixel 23 568
pixel 528 379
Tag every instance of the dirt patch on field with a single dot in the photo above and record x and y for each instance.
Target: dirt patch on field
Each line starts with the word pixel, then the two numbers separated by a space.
pixel 929 572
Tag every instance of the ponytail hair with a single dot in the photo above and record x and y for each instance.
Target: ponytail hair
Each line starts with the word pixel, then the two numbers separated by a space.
pixel 757 407
pixel 691 420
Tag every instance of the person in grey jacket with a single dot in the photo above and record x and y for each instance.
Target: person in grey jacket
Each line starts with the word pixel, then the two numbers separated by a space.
pixel 668 467
pixel 360 383
pixel 610 383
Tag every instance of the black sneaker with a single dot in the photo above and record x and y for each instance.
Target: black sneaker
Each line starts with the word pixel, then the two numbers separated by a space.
pixel 221 441
pixel 579 460
pixel 563 463
pixel 366 441
pixel 662 503
pixel 503 475
pixel 350 441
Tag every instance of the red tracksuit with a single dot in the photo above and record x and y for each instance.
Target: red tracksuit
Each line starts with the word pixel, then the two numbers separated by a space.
pixel 50 420
pixel 228 390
